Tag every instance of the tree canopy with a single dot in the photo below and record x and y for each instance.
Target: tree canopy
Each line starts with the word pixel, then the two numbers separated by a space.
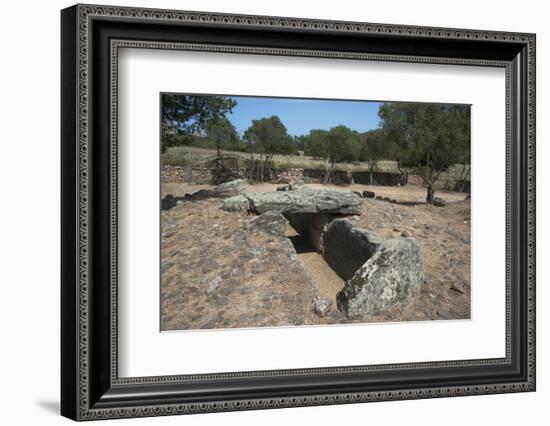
pixel 190 115
pixel 429 138
pixel 269 136
pixel 343 144
pixel 224 135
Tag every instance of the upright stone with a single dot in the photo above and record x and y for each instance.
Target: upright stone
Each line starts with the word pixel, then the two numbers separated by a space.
pixel 346 248
pixel 391 277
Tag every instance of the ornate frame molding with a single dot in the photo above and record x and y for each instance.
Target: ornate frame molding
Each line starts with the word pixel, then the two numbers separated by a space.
pixel 82 16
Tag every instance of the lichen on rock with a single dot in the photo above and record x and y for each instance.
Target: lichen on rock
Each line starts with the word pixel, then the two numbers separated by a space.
pixel 391 277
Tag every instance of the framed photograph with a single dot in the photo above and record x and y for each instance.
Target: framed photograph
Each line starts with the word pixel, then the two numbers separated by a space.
pixel 263 212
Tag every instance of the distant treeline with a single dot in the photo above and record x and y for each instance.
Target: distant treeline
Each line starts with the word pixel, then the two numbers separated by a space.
pixel 423 138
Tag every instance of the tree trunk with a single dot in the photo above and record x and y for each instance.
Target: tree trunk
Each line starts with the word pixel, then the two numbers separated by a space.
pixel 430 196
pixel 370 175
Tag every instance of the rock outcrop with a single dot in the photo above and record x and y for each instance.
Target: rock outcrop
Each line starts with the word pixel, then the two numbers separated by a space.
pixel 306 201
pixel 272 223
pixel 230 189
pixel 391 277
pixel 236 203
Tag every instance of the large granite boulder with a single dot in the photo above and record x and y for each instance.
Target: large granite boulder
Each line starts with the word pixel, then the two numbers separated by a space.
pixel 230 189
pixel 391 277
pixel 346 248
pixel 305 201
pixel 272 223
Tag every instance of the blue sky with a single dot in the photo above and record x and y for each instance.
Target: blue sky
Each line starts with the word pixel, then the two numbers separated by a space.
pixel 301 115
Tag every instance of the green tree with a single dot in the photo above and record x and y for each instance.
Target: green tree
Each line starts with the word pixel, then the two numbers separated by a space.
pixel 343 144
pixel 375 147
pixel 429 138
pixel 267 137
pixel 190 115
pixel 316 143
pixel 223 135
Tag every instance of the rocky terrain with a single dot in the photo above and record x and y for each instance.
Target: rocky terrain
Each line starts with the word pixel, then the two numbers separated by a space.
pixel 233 269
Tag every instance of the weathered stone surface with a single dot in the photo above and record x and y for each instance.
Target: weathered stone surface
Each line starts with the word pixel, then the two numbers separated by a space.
pixel 439 202
pixel 230 189
pixel 218 275
pixel 296 184
pixel 272 223
pixel 236 203
pixel 321 306
pixel 346 248
pixel 391 277
pixel 306 201
pixel 213 285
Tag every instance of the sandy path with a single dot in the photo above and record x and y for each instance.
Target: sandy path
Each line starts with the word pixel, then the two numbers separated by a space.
pixel 326 280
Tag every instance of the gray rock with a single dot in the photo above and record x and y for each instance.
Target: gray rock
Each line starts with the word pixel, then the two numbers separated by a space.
pixel 439 202
pixel 272 223
pixel 346 248
pixel 236 203
pixel 368 194
pixel 201 194
pixel 296 184
pixel 321 307
pixel 168 202
pixel 390 278
pixel 213 285
pixel 306 201
pixel 230 189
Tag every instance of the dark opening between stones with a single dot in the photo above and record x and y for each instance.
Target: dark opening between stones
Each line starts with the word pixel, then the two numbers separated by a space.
pixel 343 247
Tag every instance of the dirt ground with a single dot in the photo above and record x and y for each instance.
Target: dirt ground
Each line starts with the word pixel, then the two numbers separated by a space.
pixel 216 274
pixel 411 193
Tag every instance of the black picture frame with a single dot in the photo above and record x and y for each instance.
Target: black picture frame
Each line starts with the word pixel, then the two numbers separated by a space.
pixel 90 386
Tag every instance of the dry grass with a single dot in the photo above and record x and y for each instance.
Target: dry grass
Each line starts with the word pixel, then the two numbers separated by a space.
pixel 187 155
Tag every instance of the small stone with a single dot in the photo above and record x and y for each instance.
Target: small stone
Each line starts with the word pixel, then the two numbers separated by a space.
pixel 439 202
pixel 213 285
pixel 368 194
pixel 321 306
pixel 405 234
pixel 457 288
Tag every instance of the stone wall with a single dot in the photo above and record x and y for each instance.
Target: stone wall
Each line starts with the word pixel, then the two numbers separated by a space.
pixel 203 175
pixel 379 178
